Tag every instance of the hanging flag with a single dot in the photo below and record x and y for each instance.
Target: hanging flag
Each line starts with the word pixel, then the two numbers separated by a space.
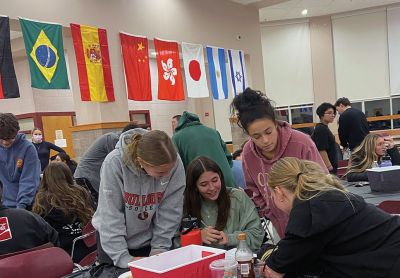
pixel 45 52
pixel 135 53
pixel 217 71
pixel 238 70
pixel 170 85
pixel 93 60
pixel 195 73
pixel 8 80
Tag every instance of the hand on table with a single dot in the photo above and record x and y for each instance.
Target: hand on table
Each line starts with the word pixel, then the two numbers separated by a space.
pixel 137 258
pixel 209 235
pixel 224 239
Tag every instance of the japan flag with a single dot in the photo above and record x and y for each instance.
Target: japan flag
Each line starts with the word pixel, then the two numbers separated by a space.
pixel 195 72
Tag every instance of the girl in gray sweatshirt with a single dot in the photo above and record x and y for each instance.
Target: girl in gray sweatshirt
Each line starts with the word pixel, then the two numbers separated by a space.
pixel 140 197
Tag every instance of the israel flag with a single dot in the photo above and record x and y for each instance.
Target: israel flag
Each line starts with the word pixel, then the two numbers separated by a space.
pixel 217 71
pixel 238 70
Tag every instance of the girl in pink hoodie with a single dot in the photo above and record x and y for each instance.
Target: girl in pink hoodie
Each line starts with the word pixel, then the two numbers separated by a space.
pixel 270 140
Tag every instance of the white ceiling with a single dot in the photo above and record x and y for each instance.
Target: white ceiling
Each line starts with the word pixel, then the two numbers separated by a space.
pixel 278 10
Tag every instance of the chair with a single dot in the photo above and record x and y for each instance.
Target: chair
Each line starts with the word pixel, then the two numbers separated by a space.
pixel 342 168
pixel 51 262
pixel 43 246
pixel 89 239
pixel 390 206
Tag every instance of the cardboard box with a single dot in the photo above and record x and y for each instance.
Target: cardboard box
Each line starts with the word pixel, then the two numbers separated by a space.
pixel 190 261
pixel 385 179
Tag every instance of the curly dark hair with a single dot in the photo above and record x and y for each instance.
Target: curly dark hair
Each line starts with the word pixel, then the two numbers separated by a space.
pixel 9 126
pixel 250 106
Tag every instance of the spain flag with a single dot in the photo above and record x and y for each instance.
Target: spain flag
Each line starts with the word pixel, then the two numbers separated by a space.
pixel 93 60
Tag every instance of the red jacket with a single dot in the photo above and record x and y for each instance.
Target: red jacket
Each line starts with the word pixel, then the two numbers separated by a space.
pixel 291 143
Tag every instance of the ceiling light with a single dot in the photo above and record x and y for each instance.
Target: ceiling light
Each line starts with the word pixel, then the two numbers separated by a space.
pixel 304 12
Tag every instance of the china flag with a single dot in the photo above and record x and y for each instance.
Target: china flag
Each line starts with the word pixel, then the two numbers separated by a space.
pixel 92 57
pixel 170 85
pixel 135 53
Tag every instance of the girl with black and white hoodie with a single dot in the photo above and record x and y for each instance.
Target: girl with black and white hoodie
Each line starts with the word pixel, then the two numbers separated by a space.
pixel 140 198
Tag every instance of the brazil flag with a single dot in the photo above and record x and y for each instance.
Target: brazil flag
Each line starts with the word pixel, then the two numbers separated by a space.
pixel 45 51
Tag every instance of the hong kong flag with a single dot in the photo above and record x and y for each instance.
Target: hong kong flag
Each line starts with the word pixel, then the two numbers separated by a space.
pixel 170 85
pixel 5 232
pixel 195 71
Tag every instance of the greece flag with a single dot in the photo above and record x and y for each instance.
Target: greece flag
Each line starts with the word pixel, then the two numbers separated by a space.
pixel 238 70
pixel 217 71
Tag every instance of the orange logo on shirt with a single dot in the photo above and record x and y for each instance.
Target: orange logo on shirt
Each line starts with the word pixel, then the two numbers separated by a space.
pixel 20 163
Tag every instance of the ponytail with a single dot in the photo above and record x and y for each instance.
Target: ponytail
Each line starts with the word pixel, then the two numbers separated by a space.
pixel 304 178
pixel 132 149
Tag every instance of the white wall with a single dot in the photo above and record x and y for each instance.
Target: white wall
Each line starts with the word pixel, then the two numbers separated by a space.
pixel 213 22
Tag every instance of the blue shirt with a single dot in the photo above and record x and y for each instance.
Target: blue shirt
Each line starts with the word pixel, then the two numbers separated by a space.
pixel 19 173
pixel 237 171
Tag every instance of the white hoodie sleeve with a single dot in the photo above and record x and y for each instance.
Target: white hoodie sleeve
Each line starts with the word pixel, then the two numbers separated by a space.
pixel 169 212
pixel 109 219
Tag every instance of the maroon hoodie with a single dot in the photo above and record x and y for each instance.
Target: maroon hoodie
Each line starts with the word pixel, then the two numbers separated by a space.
pixel 291 143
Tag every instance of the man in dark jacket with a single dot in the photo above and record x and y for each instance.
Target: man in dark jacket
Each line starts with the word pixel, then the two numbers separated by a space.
pixel 353 125
pixel 193 139
pixel 19 164
pixel 21 230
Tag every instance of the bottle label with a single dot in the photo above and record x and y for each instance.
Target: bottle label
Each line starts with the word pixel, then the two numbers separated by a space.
pixel 244 269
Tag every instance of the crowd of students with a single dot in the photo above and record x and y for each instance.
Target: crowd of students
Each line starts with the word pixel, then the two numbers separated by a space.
pixel 147 182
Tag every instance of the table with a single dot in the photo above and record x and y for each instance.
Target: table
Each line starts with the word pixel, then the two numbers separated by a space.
pixel 369 196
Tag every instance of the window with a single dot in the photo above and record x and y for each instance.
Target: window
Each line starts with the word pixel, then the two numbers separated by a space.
pixel 377 108
pixel 357 105
pixel 302 115
pixel 282 114
pixel 396 111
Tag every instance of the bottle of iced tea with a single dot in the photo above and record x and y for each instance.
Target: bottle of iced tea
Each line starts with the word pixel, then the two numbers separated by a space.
pixel 244 257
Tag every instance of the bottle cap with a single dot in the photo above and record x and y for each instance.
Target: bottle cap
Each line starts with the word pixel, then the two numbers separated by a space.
pixel 241 236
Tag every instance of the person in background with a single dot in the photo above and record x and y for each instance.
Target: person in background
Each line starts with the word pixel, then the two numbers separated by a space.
pixel 237 169
pixel 140 199
pixel 63 157
pixel 270 140
pixel 323 137
pixel 87 172
pixel 331 232
pixel 193 139
pixel 225 211
pixel 43 147
pixel 174 122
pixel 353 125
pixel 21 230
pixel 19 165
pixel 66 206
pixel 372 148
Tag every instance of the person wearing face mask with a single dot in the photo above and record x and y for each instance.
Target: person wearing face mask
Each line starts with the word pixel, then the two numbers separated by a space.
pixel 270 140
pixel 43 147
pixel 372 148
pixel 224 212
pixel 19 165
pixel 140 199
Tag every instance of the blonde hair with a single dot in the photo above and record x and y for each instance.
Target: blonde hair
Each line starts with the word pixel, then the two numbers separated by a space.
pixel 364 155
pixel 154 147
pixel 304 178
